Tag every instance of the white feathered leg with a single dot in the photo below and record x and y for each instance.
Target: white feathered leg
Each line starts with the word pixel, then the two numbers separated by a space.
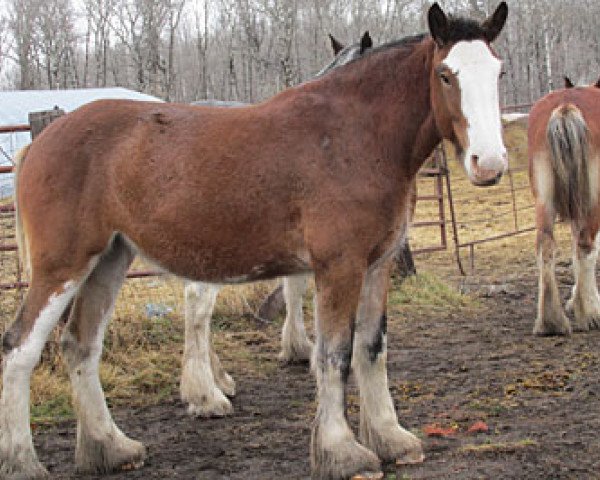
pixel 198 383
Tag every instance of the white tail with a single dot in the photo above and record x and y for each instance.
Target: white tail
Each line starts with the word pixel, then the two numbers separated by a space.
pixel 19 231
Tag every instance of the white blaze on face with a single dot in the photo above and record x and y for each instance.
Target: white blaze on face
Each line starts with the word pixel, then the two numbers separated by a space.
pixel 477 71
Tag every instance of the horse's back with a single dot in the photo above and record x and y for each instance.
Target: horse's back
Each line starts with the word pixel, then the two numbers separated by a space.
pixel 208 179
pixel 165 174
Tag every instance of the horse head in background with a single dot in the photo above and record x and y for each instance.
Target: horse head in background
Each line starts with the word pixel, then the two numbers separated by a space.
pixel 570 84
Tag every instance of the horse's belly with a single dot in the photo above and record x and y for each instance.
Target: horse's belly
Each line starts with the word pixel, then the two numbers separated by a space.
pixel 225 263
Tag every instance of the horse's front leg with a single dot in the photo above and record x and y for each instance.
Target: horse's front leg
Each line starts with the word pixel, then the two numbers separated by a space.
pixel 201 367
pixel 335 454
pixel 551 319
pixel 379 428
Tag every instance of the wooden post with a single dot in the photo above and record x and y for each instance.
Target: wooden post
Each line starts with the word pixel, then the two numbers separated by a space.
pixel 40 120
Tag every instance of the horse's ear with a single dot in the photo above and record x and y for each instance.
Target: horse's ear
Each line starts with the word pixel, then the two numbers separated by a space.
pixel 438 24
pixel 493 25
pixel 365 42
pixel 337 46
pixel 597 84
pixel 568 82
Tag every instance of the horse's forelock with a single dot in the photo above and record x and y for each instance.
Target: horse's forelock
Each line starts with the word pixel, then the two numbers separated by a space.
pixel 460 29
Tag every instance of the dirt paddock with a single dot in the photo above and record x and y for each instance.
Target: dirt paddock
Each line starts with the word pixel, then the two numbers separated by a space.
pixel 450 366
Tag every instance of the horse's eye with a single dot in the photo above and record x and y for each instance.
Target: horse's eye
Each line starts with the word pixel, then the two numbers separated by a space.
pixel 502 73
pixel 445 78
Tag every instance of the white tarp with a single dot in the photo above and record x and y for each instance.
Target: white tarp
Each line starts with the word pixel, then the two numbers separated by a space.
pixel 15 107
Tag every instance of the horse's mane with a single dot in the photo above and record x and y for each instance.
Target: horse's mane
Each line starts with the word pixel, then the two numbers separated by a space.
pixel 408 43
pixel 405 42
pixel 458 29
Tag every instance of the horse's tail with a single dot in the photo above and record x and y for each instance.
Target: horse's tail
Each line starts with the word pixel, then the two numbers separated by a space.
pixel 19 231
pixel 567 134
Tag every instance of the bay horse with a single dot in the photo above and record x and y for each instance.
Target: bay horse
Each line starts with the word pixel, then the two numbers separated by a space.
pixel 205 385
pixel 564 164
pixel 316 179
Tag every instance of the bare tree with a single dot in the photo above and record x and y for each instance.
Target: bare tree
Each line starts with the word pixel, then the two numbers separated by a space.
pixel 22 24
pixel 56 41
pixel 250 49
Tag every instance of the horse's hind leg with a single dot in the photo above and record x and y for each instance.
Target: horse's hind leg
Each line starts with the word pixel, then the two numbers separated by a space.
pixel 551 319
pixel 46 300
pixel 101 446
pixel 379 428
pixel 295 345
pixel 585 301
pixel 201 367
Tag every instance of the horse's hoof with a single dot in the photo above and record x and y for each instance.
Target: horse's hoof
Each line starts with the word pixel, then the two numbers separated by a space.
pixel 226 384
pixel 587 323
pixel 32 471
pixel 390 442
pixel 298 354
pixel 220 407
pixel 340 458
pixel 549 327
pixel 113 452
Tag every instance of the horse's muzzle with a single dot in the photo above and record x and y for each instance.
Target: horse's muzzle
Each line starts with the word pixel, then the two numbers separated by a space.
pixel 489 183
pixel 488 171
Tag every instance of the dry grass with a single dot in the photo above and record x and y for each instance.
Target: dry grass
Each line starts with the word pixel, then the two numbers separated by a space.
pixel 144 341
pixel 481 212
pixel 486 212
pixel 497 448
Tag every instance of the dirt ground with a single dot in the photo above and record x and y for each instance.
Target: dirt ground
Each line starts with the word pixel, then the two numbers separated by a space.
pixel 448 368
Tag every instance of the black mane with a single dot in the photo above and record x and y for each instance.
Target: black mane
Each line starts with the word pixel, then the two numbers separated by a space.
pixel 407 41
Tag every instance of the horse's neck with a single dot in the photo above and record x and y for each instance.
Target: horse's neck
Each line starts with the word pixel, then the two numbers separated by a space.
pixel 398 102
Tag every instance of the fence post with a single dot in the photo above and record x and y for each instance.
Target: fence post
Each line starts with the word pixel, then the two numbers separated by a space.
pixel 40 120
pixel 452 213
pixel 37 122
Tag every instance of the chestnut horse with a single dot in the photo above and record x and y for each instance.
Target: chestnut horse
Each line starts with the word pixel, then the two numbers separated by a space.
pixel 564 158
pixel 205 385
pixel 315 179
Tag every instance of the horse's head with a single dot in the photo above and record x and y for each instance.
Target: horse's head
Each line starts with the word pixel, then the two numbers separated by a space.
pixel 464 91
pixel 346 54
pixel 352 52
pixel 570 84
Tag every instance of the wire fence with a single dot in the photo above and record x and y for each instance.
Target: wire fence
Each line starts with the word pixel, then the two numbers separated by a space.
pixel 499 212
